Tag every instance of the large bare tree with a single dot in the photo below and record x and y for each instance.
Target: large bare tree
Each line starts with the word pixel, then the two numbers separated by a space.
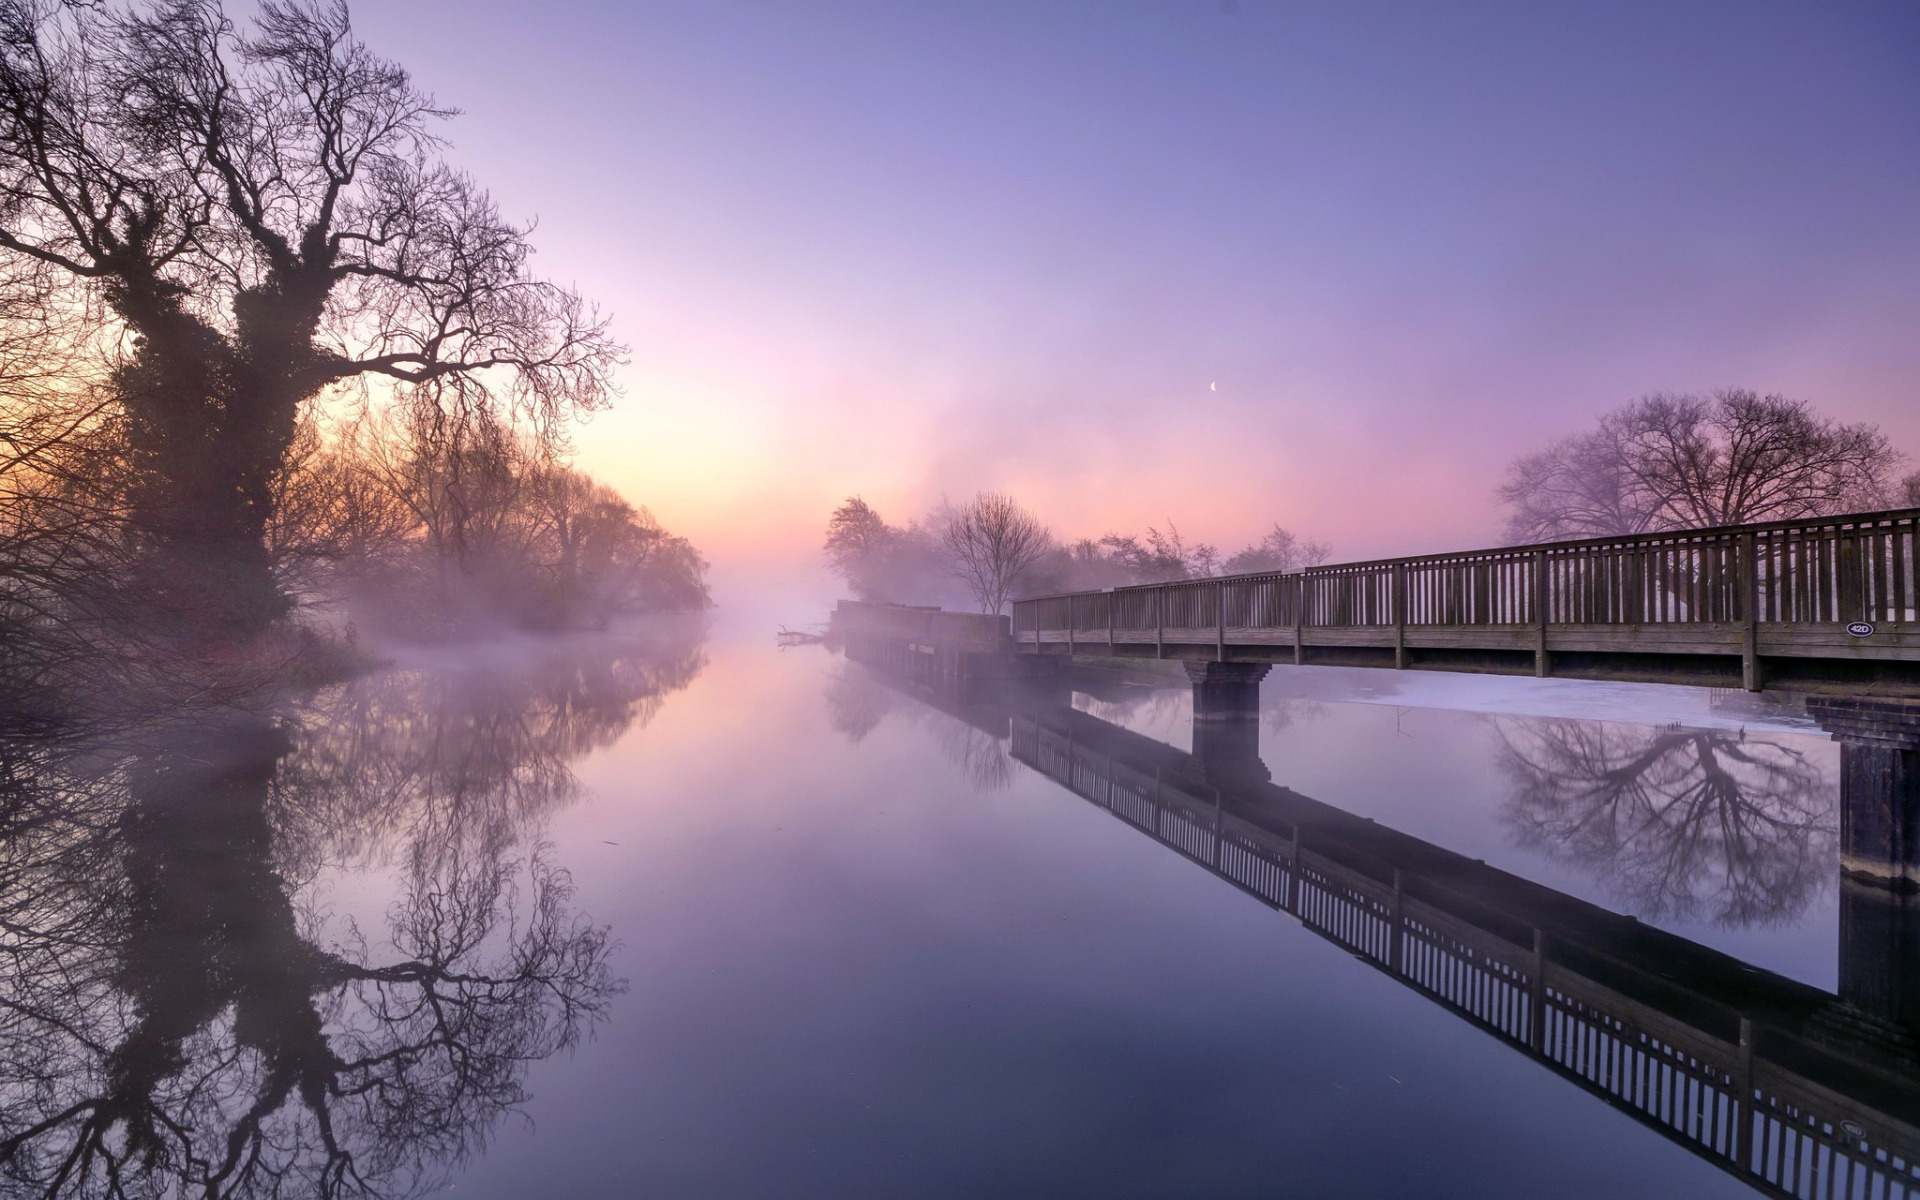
pixel 262 215
pixel 1685 461
pixel 991 542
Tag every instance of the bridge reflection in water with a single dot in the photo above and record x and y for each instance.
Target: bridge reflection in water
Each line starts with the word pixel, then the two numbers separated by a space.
pixel 1792 1089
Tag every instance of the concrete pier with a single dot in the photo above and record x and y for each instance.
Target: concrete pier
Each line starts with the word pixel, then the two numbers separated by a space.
pixel 1226 719
pixel 1879 786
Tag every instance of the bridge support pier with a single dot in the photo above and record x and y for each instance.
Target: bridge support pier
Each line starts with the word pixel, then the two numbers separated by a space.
pixel 1226 718
pixel 1879 786
pixel 1880 953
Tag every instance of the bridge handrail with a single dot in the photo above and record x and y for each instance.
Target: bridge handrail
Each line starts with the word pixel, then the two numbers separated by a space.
pixel 1811 571
pixel 1624 540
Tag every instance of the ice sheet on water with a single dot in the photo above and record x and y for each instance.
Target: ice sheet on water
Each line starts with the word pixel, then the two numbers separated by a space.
pixel 1635 703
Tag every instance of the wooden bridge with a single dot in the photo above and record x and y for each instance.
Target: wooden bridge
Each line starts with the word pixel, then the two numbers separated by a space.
pixel 1829 602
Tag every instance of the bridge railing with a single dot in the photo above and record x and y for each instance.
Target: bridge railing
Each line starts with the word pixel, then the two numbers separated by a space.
pixel 1819 571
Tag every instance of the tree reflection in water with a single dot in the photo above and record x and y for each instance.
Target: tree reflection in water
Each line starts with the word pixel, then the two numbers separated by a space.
pixel 982 759
pixel 179 1013
pixel 858 698
pixel 1683 824
pixel 856 701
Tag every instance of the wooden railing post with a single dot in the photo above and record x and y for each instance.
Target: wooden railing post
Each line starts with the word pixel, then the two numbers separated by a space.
pixel 1394 940
pixel 1299 617
pixel 1750 613
pixel 1541 599
pixel 1851 567
pixel 1069 624
pixel 1743 1104
pixel 1220 621
pixel 1293 874
pixel 1537 995
pixel 1111 597
pixel 1160 622
pixel 1399 588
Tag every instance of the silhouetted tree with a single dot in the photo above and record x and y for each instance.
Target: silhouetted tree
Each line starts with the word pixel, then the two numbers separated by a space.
pixel 902 564
pixel 1680 461
pixel 1679 823
pixel 858 543
pixel 991 541
pixel 264 216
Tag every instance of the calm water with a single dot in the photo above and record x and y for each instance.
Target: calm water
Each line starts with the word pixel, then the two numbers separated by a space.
pixel 706 919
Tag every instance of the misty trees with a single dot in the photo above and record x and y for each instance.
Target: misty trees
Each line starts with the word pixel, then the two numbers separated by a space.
pixel 992 541
pixel 888 563
pixel 263 217
pixel 1678 461
pixel 858 543
pixel 1165 556
pixel 421 535
pixel 909 564
pixel 1278 550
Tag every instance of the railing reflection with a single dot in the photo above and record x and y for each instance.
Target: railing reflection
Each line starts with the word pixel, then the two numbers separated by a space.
pixel 1795 1091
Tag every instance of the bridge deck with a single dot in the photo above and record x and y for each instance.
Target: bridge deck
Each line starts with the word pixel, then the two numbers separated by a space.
pixel 1827 602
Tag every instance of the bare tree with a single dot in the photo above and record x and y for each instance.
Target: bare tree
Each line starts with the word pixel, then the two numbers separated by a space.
pixel 991 541
pixel 264 216
pixel 1684 461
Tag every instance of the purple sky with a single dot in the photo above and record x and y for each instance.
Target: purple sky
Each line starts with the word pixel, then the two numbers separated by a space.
pixel 1332 264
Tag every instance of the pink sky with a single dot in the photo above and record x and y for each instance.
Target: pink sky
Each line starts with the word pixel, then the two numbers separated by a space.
pixel 1327 264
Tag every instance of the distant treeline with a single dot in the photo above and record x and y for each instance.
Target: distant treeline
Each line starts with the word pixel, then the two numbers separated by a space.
pixel 389 525
pixel 991 548
pixel 380 525
pixel 1665 461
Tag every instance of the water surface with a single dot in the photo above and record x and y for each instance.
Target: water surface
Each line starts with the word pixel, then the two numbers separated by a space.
pixel 719 920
